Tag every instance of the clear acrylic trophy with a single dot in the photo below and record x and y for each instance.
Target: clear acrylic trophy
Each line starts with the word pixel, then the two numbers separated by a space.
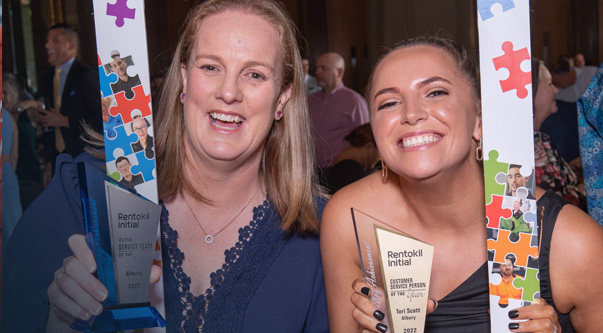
pixel 398 268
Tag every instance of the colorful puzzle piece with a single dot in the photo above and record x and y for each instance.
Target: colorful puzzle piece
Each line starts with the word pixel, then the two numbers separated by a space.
pixel 121 11
pixel 484 7
pixel 500 315
pixel 494 212
pixel 144 166
pixel 492 168
pixel 109 126
pixel 530 285
pixel 105 80
pixel 121 141
pixel 125 106
pixel 115 175
pixel 529 217
pixel 511 60
pixel 521 249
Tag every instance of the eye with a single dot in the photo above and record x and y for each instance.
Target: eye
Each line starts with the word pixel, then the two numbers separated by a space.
pixel 387 105
pixel 209 68
pixel 256 76
pixel 436 93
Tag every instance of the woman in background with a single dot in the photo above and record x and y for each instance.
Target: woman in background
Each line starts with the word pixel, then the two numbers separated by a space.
pixel 551 170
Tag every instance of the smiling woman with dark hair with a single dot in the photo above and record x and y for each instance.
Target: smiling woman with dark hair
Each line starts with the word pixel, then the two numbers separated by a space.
pixel 425 115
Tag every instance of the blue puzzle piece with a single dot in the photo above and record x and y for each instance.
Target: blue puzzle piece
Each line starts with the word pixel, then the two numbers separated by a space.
pixel 122 140
pixel 529 217
pixel 105 81
pixel 483 7
pixel 109 126
pixel 144 166
pixel 121 11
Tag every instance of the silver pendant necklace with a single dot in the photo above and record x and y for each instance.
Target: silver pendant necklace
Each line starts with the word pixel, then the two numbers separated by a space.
pixel 208 237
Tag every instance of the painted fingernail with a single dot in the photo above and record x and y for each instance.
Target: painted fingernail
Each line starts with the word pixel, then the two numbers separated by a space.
pixel 379 315
pixel 513 314
pixel 513 326
pixel 365 290
pixel 381 328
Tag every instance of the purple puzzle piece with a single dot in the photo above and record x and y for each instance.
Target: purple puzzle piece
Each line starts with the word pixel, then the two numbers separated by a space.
pixel 121 11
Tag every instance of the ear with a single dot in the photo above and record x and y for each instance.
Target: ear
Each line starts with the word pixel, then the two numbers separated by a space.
pixel 477 130
pixel 340 73
pixel 283 98
pixel 184 76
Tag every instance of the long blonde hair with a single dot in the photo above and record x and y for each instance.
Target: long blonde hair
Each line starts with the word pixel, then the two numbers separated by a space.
pixel 287 167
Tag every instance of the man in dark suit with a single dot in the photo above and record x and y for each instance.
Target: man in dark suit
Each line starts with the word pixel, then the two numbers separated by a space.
pixel 71 91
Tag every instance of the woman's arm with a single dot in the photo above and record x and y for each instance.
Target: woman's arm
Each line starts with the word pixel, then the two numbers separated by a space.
pixel 340 261
pixel 576 268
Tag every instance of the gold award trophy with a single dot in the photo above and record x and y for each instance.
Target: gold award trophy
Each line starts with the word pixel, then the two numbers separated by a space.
pixel 398 268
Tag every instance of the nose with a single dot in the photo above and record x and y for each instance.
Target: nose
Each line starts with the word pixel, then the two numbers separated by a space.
pixel 412 112
pixel 229 89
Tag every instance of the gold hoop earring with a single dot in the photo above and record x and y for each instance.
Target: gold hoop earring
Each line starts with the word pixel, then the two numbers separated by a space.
pixel 479 154
pixel 383 171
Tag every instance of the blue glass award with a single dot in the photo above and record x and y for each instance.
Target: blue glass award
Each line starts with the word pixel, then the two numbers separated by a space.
pixel 121 229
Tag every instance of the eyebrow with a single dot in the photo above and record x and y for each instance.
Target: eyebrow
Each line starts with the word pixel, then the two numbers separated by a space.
pixel 247 64
pixel 431 80
pixel 385 91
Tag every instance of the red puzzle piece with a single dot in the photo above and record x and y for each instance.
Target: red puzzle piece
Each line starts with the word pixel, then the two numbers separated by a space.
pixel 521 249
pixel 511 60
pixel 126 106
pixel 494 212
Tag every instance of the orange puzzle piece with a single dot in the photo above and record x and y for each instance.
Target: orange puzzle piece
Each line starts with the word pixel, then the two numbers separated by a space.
pixel 521 249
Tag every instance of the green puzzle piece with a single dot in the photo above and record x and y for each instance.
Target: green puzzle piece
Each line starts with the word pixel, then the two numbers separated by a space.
pixel 115 176
pixel 492 167
pixel 530 285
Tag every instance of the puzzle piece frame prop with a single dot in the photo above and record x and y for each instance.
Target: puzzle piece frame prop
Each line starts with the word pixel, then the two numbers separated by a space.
pixel 121 38
pixel 504 45
pixel 125 88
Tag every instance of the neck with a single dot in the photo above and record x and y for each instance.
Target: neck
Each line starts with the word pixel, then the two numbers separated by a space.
pixel 221 181
pixel 455 196
pixel 124 77
pixel 62 62
pixel 537 122
pixel 330 89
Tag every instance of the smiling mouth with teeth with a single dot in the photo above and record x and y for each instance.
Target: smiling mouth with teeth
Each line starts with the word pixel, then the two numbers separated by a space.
pixel 420 140
pixel 225 121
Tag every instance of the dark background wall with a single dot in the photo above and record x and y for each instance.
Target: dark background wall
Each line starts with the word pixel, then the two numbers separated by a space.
pixel 357 29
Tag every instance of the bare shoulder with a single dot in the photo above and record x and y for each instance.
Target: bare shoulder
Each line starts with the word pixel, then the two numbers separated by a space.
pixel 576 267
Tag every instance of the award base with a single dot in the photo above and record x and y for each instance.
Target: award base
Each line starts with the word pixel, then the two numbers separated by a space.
pixel 121 318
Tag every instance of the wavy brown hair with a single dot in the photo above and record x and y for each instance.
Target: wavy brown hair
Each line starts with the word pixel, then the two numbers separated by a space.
pixel 287 166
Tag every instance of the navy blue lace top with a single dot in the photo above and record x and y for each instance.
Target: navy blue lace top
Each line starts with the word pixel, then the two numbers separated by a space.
pixel 268 283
